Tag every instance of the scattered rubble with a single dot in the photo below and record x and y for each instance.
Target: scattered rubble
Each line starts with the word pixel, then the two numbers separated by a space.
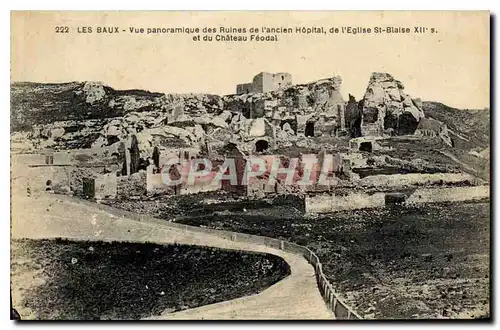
pixel 102 116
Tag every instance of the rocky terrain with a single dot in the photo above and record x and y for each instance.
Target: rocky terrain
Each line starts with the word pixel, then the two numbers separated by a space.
pixel 84 115
pixel 469 129
pixel 90 114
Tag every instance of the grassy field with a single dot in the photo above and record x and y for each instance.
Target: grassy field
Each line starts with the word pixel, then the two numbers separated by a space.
pixel 68 280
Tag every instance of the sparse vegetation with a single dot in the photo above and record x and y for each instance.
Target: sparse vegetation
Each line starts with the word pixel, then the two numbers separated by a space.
pixel 381 260
pixel 469 128
pixel 97 280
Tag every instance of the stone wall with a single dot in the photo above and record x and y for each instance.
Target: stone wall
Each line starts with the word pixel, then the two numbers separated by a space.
pixel 323 203
pixel 244 88
pixel 413 179
pixel 330 203
pixel 93 156
pixel 260 187
pixel 200 186
pixel 453 194
pixel 77 173
pixel 156 185
pixel 105 186
pixel 38 177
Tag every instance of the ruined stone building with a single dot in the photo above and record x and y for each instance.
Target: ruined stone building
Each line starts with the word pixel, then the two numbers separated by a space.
pixel 102 186
pixel 244 88
pixel 265 82
pixel 314 109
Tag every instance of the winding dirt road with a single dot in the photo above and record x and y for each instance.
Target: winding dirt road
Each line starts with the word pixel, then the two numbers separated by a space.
pixel 295 297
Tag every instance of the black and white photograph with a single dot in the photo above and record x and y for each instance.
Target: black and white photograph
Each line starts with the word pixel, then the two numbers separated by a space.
pixel 232 165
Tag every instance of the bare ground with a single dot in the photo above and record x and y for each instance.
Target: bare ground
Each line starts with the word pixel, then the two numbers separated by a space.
pixel 430 261
pixel 81 280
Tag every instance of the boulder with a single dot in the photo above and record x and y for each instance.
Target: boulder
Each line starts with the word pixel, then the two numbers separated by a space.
pixel 57 132
pixel 225 115
pixel 257 128
pixel 176 132
pixel 198 132
pixel 113 131
pixel 130 103
pixel 288 129
pixel 94 92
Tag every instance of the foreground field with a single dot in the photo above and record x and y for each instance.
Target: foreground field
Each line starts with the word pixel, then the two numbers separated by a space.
pixel 72 280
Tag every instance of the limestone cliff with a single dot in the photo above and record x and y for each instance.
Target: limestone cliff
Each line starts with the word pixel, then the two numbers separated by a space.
pixel 386 108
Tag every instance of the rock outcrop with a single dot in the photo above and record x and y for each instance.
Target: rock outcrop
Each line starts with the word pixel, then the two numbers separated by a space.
pixel 90 114
pixel 387 108
pixel 319 96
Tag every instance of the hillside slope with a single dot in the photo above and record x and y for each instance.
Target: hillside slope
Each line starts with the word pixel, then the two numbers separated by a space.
pixel 39 103
pixel 468 128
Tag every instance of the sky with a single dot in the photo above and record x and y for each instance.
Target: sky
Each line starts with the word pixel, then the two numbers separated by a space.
pixel 451 66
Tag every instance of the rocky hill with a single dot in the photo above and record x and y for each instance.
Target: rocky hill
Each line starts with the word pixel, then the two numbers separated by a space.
pixel 469 129
pixel 76 115
pixel 90 114
pixel 38 103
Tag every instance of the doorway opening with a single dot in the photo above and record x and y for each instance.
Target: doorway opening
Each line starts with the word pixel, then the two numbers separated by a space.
pixel 261 145
pixel 309 129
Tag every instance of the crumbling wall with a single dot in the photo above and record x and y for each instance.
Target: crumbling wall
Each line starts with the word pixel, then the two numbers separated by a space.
pixel 266 82
pixel 331 203
pixel 239 188
pixel 53 177
pixel 134 185
pixel 200 186
pixel 260 187
pixel 412 179
pixel 155 184
pixel 102 155
pixel 77 173
pixel 28 159
pixel 452 194
pixel 105 186
pixel 263 108
pixel 244 88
